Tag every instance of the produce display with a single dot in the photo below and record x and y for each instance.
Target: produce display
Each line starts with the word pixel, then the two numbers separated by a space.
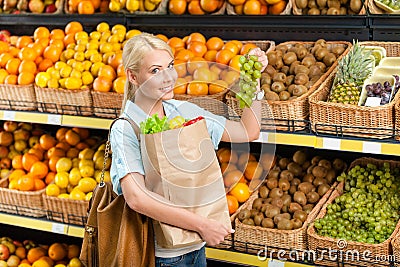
pixel 329 7
pixel 132 6
pixel 293 69
pixel 87 7
pixel 368 209
pixel 291 191
pixel 258 7
pixel 30 6
pixel 197 7
pixel 28 253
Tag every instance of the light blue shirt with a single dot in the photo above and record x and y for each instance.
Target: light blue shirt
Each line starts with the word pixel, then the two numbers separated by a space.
pixel 126 156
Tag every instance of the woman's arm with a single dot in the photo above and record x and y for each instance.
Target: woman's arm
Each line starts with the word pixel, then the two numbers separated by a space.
pixel 139 199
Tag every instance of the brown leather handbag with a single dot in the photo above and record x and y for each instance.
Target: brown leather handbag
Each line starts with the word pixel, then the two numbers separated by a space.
pixel 116 235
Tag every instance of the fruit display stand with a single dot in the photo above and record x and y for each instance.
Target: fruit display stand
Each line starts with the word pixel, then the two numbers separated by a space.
pixel 64 210
pixel 230 9
pixel 106 105
pixel 17 97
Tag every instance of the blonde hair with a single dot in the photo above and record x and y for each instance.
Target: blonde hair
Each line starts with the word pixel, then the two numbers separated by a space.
pixel 132 56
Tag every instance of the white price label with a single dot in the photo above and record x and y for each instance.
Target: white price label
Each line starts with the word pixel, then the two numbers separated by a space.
pixel 9 115
pixel 372 147
pixel 57 228
pixel 276 263
pixel 54 119
pixel 331 143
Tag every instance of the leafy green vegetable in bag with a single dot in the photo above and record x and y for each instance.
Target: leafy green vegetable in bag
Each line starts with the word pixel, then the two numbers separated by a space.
pixel 154 124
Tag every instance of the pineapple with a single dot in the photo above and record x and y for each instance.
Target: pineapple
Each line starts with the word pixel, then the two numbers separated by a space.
pixel 353 69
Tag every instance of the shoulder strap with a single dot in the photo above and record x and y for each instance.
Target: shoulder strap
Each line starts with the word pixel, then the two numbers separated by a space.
pixel 133 124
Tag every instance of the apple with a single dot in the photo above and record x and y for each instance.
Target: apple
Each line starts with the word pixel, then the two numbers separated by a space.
pixel 20 145
pixel 3 151
pixel 36 6
pixel 3 263
pixel 4 252
pixel 6 138
pixel 51 8
pixel 25 126
pixel 17 243
pixel 10 245
pixel 10 126
pixel 21 134
pixel 13 261
pixel 4 173
pixel 28 244
pixel 33 140
pixel 5 32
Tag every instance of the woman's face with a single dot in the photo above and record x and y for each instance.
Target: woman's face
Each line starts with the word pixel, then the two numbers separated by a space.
pixel 157 75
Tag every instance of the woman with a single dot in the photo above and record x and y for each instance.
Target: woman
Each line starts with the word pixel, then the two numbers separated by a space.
pixel 149 65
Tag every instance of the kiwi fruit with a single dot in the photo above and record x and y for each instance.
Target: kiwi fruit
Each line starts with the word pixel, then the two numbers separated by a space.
pixel 324 11
pixel 286 199
pixel 290 89
pixel 265 78
pixel 253 213
pixel 299 90
pixel 300 215
pixel 314 11
pixel 320 53
pixel 272 96
pixel 308 177
pixel 281 216
pixel 321 42
pixel 330 176
pixel 270 70
pixel 263 191
pixel 295 181
pixel 312 197
pixel 289 79
pixel 329 59
pixel 272 211
pixel 322 189
pixel 325 163
pixel 273 174
pixel 308 208
pixel 244 214
pixel 295 168
pixel 281 47
pixel 284 95
pixel 293 207
pixel 258 218
pixel 276 192
pixel 278 87
pixel 321 65
pixel 299 157
pixel 286 175
pixel 277 201
pixel 285 208
pixel 279 63
pixel 333 11
pixel 343 10
pixel 355 6
pixel 266 87
pixel 315 159
pixel 283 162
pixel 305 187
pixel 285 70
pixel 305 165
pixel 337 50
pixel 312 4
pixel 267 223
pixel 321 3
pixel 292 189
pixel 333 3
pixel 248 221
pixel 338 164
pixel 264 207
pixel 266 200
pixel 301 69
pixel 284 184
pixel 314 71
pixel 257 203
pixel 271 57
pixel 271 184
pixel 279 53
pixel 319 172
pixel 300 198
pixel 289 58
pixel 301 52
pixel 318 181
pixel 301 79
pixel 296 223
pixel 301 3
pixel 285 224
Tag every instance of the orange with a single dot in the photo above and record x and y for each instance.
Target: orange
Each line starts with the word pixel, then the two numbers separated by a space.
pixel 233 177
pixel 223 56
pixel 241 192
pixel 16 162
pixel 102 84
pixel 253 170
pixel 47 141
pixel 119 84
pixel 73 27
pixel 13 65
pixel 39 184
pixel 227 155
pixel 55 152
pixel 4 58
pixel 50 177
pixel 35 253
pixel 263 9
pixel 180 86
pixel 41 32
pixel 277 8
pixel 226 167
pixel 162 36
pixel 23 41
pixel 73 251
pixel 52 163
pixel 180 67
pixel 60 134
pixel 196 37
pixel 52 52
pixel 44 42
pixel 72 137
pixel 57 34
pixel 82 132
pixel 210 55
pixel 57 251
pixel 232 46
pixel 45 64
pixel 39 48
pixel 115 60
pixel 96 3
pixel 25 78
pixel 14 51
pixel 197 88
pixel 233 204
pixel 81 145
pixel 121 70
pixel 176 42
pixel 86 7
pixel 209 5
pixel 107 72
pixel 252 7
pixel 11 79
pixel 69 39
pixel 28 159
pixel 3 75
pixel 26 183
pixel 195 63
pixel 184 54
pixel 57 43
pixel 177 7
pixel 16 174
pixel 73 152
pixel 214 43
pixel 198 48
pixel 236 2
pixel 238 9
pixel 36 151
pixel 39 170
pixel 194 8
pixel 63 145
pixel 234 62
pixel 4 47
pixel 247 47
pixel 217 86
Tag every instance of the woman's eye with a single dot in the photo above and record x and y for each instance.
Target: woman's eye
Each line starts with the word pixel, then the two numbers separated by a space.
pixel 171 66
pixel 154 71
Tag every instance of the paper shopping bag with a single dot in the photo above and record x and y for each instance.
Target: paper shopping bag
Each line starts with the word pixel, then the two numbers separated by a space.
pixel 181 166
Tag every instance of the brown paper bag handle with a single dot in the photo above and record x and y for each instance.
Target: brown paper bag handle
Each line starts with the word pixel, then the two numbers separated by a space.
pixel 108 145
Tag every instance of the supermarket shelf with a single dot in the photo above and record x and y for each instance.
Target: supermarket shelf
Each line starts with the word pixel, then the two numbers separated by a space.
pixel 42 225
pixel 384 27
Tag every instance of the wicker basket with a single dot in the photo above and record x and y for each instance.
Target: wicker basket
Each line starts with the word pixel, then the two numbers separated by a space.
pixel 60 10
pixel 107 105
pixel 64 210
pixel 63 101
pixel 320 244
pixel 290 115
pixel 252 239
pixel 374 9
pixel 25 203
pixel 397 120
pixel 230 10
pixel 17 97
pixel 160 10
pixel 299 11
pixel 396 249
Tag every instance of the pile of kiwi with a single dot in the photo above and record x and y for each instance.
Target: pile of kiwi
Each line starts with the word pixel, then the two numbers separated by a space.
pixel 293 69
pixel 292 189
pixel 329 7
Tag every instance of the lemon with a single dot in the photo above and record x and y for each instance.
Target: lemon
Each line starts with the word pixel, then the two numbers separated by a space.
pixel 96 58
pixel 70 187
pixel 79 56
pixel 75 162
pixel 87 78
pixel 113 38
pixel 68 54
pixel 61 179
pixel 107 176
pixel 63 195
pixel 80 47
pixel 117 27
pixel 86 162
pixel 94 35
pixel 92 46
pixel 105 47
pixel 71 46
pixel 77 194
pixel 42 78
pixel 64 164
pixel 71 61
pixel 121 34
pixel 60 265
pixel 76 74
pixel 94 69
pixel 87 64
pixel 102 27
pixel 86 184
pixel 82 42
pixel 132 33
pixel 102 147
pixel 53 72
pixel 73 83
pixel 114 6
pixel 117 47
pixel 59 65
pixel 86 153
pixel 65 71
pixel 98 154
pixel 88 196
pixel 53 83
pixel 74 176
pixel 81 35
pixel 106 56
pixel 62 82
pixel 90 52
pixel 86 171
pixel 77 65
pixel 52 190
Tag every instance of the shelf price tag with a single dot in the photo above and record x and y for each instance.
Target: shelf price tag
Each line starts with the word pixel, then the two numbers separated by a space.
pixel 276 263
pixel 331 143
pixel 372 147
pixel 58 228
pixel 8 115
pixel 54 119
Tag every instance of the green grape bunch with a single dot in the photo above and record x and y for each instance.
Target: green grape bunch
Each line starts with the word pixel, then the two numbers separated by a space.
pixel 251 68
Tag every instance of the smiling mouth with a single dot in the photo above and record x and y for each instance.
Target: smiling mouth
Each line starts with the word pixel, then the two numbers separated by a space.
pixel 167 88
